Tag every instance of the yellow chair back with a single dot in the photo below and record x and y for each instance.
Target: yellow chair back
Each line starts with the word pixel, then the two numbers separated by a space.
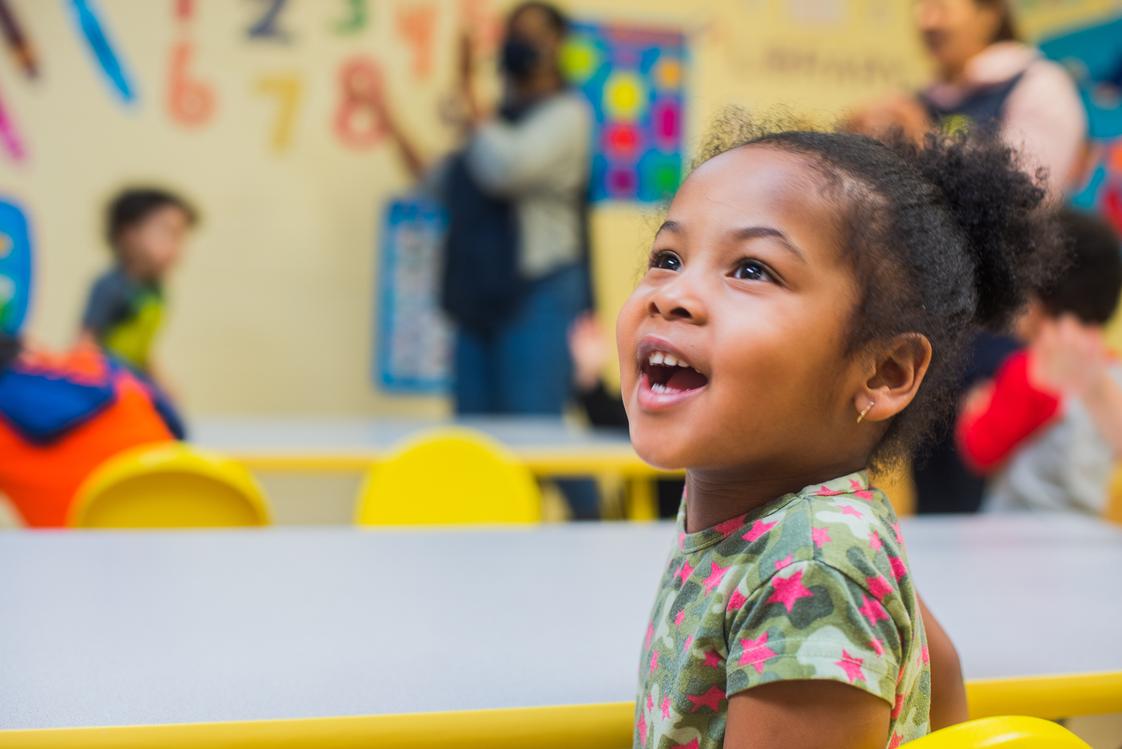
pixel 1007 732
pixel 171 485
pixel 449 477
pixel 1113 511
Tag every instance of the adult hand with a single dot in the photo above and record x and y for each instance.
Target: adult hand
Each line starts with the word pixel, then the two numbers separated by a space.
pixel 898 112
pixel 1068 357
pixel 590 350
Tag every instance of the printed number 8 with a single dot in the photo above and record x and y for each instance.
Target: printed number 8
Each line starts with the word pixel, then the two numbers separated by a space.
pixel 359 120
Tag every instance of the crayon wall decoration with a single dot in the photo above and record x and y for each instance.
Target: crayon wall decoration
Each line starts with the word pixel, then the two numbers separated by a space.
pixel 10 140
pixel 17 41
pixel 92 29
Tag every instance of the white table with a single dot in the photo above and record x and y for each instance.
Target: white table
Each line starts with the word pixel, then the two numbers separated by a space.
pixel 549 445
pixel 141 628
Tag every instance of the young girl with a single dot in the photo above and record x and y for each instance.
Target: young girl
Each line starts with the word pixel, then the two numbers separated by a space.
pixel 804 310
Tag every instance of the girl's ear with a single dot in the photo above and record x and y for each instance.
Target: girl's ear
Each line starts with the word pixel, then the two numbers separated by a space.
pixel 898 371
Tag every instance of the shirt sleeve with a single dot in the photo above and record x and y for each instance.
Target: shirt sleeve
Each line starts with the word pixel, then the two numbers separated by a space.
pixel 1046 121
pixel 1015 411
pixel 105 305
pixel 812 621
pixel 535 153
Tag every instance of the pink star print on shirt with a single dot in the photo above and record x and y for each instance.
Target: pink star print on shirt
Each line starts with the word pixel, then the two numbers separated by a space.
pixel 852 666
pixel 665 707
pixel 872 610
pixel 691 745
pixel 878 586
pixel 736 601
pixel 711 699
pixel 788 590
pixel 712 659
pixel 729 525
pixel 684 572
pixel 821 537
pixel 756 653
pixel 758 530
pixel 714 579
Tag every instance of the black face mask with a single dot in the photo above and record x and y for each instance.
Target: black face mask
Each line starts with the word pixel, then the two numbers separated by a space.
pixel 518 58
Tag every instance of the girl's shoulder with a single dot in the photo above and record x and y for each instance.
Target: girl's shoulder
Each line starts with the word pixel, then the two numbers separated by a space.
pixel 845 524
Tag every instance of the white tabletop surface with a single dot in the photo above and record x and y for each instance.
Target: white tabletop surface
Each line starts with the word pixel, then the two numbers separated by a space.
pixel 312 436
pixel 129 628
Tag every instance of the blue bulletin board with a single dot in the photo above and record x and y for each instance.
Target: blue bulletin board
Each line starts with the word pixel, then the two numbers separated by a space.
pixel 413 337
pixel 1093 53
pixel 15 266
pixel 634 78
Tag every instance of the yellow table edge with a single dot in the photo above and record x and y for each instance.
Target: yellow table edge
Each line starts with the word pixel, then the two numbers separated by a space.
pixel 545 463
pixel 601 726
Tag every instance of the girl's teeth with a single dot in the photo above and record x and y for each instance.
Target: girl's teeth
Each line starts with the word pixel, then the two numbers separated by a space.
pixel 669 360
pixel 656 358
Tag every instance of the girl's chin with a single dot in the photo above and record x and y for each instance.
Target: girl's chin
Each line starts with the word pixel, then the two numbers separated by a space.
pixel 657 453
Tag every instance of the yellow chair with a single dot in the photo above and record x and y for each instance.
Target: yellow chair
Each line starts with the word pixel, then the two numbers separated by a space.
pixel 169 485
pixel 449 477
pixel 1002 733
pixel 1113 512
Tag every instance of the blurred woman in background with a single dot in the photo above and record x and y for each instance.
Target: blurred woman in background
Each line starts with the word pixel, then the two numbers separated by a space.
pixel 985 77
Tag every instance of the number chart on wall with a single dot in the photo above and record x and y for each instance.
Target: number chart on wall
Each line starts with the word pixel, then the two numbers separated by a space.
pixel 634 77
pixel 413 336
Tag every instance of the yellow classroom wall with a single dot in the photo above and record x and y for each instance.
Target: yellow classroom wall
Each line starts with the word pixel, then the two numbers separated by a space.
pixel 273 311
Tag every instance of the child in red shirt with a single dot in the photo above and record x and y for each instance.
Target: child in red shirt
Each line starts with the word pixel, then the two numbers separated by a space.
pixel 1048 428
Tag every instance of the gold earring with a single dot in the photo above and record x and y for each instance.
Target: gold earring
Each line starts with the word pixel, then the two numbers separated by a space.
pixel 861 416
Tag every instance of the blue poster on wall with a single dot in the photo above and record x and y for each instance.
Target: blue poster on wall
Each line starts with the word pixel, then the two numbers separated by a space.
pixel 413 339
pixel 1093 53
pixel 634 78
pixel 15 266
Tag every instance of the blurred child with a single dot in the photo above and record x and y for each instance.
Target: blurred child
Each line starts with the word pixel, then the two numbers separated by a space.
pixel 590 349
pixel 61 417
pixel 1048 428
pixel 803 317
pixel 146 229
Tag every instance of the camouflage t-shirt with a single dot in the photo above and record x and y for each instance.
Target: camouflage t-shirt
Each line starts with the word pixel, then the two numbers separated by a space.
pixel 814 585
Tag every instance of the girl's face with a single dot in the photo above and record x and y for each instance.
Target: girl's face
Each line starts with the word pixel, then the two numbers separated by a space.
pixel 732 348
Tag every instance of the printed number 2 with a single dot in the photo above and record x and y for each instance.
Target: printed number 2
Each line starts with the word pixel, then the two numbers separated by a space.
pixel 267 26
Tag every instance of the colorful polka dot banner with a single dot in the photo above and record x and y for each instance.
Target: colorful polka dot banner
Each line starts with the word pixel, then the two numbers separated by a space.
pixel 15 266
pixel 634 78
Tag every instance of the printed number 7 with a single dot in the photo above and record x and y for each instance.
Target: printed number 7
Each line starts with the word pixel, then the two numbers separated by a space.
pixel 288 91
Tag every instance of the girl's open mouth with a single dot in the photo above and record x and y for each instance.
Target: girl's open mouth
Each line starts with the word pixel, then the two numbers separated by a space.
pixel 666 379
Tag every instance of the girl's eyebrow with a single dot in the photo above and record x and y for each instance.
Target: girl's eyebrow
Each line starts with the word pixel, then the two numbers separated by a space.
pixel 756 232
pixel 745 233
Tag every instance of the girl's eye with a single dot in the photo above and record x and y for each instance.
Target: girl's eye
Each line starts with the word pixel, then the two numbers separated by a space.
pixel 752 270
pixel 666 260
